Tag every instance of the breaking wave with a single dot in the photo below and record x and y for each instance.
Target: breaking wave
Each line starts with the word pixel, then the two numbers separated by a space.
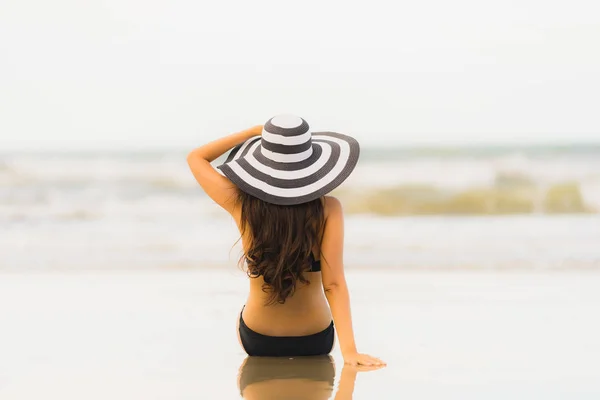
pixel 559 198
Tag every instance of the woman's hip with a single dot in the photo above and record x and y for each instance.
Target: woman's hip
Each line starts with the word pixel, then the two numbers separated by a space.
pixel 258 344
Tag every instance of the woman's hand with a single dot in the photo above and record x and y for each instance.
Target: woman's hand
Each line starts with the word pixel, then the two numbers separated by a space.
pixel 362 359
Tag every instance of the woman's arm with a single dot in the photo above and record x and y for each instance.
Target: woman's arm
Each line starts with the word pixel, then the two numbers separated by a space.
pixel 217 186
pixel 334 283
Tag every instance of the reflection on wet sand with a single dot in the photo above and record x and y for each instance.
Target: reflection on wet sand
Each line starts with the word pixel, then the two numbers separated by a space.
pixel 301 378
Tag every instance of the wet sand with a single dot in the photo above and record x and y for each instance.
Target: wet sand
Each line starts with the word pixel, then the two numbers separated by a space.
pixel 171 335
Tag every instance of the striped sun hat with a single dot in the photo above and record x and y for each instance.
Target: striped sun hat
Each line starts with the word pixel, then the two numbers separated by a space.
pixel 289 164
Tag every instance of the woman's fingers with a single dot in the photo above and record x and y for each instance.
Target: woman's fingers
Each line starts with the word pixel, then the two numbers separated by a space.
pixel 369 360
pixel 363 359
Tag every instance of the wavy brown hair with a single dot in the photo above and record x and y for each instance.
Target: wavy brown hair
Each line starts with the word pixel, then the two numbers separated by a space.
pixel 280 242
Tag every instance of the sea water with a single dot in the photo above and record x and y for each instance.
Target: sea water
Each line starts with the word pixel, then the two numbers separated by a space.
pixel 418 208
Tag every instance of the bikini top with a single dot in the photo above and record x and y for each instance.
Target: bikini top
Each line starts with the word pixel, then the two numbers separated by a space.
pixel 315 265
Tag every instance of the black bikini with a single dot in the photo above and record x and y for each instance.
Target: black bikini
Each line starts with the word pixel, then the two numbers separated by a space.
pixel 315 265
pixel 257 344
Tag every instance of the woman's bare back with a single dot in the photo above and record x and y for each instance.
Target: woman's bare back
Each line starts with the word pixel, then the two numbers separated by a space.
pixel 304 313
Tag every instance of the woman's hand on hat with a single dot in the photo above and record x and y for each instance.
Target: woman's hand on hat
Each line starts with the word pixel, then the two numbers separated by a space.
pixel 355 358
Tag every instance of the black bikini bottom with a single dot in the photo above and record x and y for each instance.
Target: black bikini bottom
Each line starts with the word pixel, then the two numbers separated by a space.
pixel 256 344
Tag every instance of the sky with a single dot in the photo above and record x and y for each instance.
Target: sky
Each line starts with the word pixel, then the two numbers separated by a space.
pixel 144 74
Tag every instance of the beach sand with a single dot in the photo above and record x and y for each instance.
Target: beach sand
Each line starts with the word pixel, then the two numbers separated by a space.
pixel 171 335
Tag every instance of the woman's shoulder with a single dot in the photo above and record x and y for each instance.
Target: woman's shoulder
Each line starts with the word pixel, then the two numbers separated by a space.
pixel 332 206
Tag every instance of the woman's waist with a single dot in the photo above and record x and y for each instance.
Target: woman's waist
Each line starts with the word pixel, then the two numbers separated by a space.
pixel 303 300
pixel 297 316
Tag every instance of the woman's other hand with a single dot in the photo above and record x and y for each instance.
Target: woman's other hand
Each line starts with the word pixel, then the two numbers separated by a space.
pixel 362 359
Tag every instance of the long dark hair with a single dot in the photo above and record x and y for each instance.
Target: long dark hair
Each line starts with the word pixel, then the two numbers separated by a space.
pixel 281 241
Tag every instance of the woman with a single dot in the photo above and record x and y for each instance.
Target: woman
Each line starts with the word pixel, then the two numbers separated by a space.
pixel 274 184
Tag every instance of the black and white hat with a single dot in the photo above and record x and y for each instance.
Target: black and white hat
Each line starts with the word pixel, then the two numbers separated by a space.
pixel 288 164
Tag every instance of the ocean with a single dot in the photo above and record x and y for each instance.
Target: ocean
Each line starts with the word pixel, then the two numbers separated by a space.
pixel 498 207
pixel 473 273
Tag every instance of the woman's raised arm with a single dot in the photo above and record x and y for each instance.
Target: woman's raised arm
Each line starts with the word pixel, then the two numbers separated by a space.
pixel 217 186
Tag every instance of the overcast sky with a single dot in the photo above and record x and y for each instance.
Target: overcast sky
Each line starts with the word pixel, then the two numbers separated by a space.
pixel 135 73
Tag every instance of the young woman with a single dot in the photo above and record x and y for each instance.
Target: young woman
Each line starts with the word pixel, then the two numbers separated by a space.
pixel 274 184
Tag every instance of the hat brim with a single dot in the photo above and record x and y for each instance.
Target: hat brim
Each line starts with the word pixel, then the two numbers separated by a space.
pixel 333 158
